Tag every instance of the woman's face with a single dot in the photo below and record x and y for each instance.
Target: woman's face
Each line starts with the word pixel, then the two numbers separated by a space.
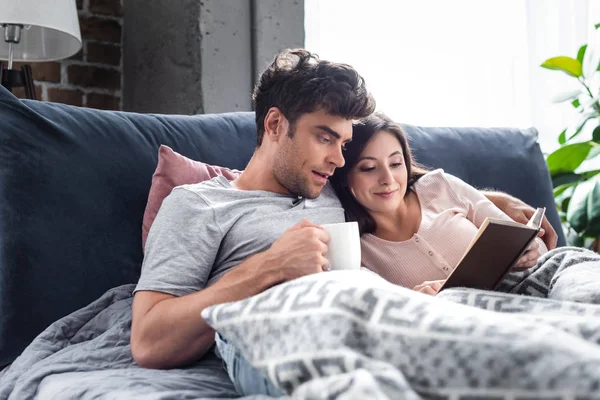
pixel 379 178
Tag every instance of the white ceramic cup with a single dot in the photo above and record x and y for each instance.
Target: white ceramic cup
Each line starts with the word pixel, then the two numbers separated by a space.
pixel 344 245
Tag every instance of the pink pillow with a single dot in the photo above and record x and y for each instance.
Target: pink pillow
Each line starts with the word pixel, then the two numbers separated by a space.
pixel 172 170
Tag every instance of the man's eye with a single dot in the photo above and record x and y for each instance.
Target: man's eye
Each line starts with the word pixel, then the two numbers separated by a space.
pixel 344 145
pixel 324 139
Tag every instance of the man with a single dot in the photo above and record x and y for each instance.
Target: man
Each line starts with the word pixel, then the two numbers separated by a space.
pixel 221 241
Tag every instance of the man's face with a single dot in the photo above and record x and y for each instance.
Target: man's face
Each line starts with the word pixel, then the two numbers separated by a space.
pixel 306 160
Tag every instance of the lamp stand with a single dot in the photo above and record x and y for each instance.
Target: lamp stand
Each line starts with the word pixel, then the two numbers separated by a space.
pixel 9 77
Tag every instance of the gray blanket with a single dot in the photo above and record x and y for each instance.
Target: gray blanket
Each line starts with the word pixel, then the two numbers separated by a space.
pixel 491 345
pixel 86 355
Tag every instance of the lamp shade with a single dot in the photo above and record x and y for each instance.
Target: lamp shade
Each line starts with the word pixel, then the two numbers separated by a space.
pixel 50 29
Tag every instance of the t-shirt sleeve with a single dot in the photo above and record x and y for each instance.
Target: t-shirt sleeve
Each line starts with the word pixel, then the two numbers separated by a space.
pixel 182 245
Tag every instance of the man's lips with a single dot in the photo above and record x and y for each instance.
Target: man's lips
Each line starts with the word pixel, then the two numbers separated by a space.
pixel 321 177
pixel 323 174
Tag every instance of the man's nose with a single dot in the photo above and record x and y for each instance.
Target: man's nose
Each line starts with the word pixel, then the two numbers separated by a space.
pixel 337 158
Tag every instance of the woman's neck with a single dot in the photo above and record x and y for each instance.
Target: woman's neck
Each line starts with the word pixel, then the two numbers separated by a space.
pixel 403 223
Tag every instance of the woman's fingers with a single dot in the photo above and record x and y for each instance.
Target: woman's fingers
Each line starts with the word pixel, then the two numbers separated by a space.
pixel 529 259
pixel 427 290
pixel 429 287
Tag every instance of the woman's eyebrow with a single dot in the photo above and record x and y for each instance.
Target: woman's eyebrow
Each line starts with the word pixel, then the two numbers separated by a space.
pixel 375 159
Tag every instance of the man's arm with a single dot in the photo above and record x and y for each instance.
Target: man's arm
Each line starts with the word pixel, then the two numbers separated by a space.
pixel 168 331
pixel 521 212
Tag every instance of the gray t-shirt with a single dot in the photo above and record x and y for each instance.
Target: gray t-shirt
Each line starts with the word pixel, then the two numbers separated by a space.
pixel 203 230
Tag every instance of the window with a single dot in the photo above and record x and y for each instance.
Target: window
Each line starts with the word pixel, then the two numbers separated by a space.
pixel 460 62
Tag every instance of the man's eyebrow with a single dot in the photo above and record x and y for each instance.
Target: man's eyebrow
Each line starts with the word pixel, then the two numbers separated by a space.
pixel 330 131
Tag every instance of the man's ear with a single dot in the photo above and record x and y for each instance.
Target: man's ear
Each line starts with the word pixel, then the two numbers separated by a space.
pixel 276 124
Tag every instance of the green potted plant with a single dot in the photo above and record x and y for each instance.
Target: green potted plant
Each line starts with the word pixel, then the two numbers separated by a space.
pixel 577 189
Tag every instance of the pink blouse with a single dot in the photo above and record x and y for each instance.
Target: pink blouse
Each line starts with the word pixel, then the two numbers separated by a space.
pixel 451 213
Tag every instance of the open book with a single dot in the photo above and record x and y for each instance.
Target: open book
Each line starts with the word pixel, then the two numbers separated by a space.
pixel 493 252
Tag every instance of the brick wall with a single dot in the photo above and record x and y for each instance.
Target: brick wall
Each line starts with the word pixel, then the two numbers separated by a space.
pixel 93 77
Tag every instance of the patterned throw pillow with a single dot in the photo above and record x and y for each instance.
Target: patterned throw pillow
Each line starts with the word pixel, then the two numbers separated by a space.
pixel 172 170
pixel 353 334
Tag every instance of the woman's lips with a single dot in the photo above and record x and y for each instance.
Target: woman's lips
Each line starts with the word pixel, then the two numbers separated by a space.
pixel 386 195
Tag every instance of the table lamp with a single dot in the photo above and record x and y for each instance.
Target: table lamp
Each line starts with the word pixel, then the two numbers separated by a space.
pixel 35 30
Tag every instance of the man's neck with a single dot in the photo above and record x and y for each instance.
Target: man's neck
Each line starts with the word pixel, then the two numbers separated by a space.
pixel 258 176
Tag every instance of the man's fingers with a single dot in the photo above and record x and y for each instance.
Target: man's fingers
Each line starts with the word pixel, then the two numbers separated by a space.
pixel 322 235
pixel 541 233
pixel 550 237
pixel 522 215
pixel 303 224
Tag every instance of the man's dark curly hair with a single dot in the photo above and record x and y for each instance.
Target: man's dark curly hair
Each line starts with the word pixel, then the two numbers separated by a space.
pixel 298 82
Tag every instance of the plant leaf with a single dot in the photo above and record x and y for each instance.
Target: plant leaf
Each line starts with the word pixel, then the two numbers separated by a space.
pixel 588 174
pixel 577 211
pixel 573 239
pixel 566 64
pixel 581 53
pixel 570 95
pixel 576 103
pixel 594 150
pixel 559 190
pixel 596 26
pixel 567 158
pixel 593 209
pixel 596 134
pixel 562 138
pixel 576 129
pixel 562 195
pixel 568 178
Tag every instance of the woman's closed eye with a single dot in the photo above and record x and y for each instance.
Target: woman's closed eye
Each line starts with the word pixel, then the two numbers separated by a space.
pixel 370 169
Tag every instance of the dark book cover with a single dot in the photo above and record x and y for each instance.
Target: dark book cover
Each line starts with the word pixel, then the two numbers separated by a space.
pixel 492 254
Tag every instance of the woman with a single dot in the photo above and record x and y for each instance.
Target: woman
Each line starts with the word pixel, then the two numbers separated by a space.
pixel 415 225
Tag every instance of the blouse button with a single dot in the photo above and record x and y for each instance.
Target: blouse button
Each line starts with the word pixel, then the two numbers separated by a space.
pixel 445 268
pixel 417 239
pixel 430 252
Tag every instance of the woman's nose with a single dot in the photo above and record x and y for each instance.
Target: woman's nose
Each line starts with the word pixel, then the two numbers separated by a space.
pixel 386 177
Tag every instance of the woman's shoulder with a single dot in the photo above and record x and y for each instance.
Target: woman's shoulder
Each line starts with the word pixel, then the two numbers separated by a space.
pixel 438 177
pixel 431 178
pixel 439 186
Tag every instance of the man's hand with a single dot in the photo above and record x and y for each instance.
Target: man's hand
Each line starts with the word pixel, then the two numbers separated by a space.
pixel 521 212
pixel 299 251
pixel 430 287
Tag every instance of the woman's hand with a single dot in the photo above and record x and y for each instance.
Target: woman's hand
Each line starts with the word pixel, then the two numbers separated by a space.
pixel 430 287
pixel 530 258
